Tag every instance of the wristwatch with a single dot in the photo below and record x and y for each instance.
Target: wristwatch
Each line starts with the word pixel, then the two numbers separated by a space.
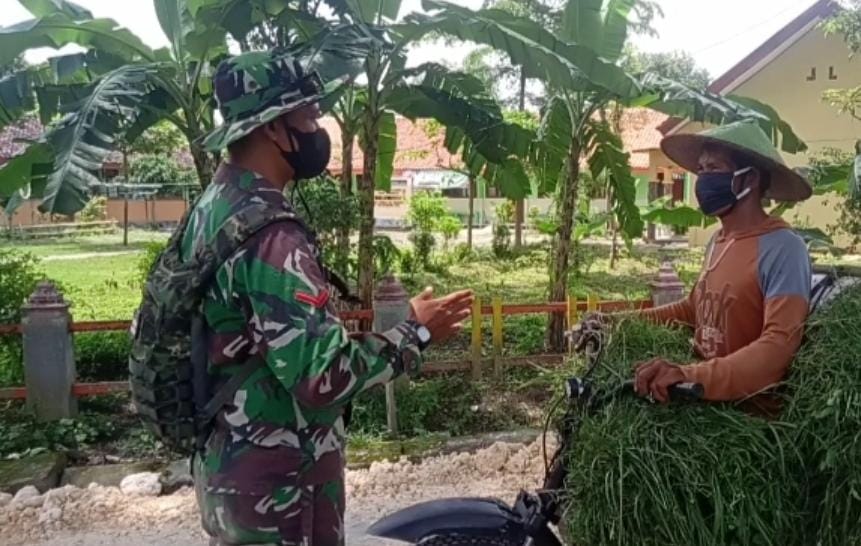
pixel 423 334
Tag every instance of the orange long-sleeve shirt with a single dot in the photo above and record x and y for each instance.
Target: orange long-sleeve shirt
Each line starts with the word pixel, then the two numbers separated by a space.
pixel 747 309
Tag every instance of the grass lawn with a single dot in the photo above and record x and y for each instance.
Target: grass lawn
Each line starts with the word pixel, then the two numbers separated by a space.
pixel 523 277
pixel 107 288
pixel 99 287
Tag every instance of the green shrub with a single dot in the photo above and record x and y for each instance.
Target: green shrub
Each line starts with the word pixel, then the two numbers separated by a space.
pixel 329 212
pixel 441 404
pixel 102 356
pixel 104 426
pixel 146 262
pixel 96 209
pixel 505 212
pixel 386 254
pixel 164 170
pixel 19 275
pixel 501 241
pixel 449 226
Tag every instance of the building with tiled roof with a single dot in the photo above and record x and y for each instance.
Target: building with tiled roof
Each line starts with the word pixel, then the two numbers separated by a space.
pixel 12 135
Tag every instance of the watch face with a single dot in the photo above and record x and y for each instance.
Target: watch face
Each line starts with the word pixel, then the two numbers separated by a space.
pixel 424 334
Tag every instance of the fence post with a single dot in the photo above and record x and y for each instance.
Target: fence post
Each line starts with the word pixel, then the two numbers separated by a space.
pixel 391 307
pixel 476 339
pixel 667 286
pixel 497 337
pixel 49 354
pixel 592 303
pixel 571 311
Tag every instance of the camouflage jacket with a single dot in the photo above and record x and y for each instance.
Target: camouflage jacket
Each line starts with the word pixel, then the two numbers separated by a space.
pixel 270 299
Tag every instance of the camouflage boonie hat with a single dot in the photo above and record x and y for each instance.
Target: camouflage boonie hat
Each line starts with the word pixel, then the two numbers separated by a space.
pixel 254 88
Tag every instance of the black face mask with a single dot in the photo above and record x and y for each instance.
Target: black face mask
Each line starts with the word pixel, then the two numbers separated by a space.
pixel 312 155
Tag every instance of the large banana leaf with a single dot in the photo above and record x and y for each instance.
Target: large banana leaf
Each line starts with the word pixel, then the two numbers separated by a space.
pixel 780 131
pixel 49 86
pixel 176 23
pixel 459 100
pixel 510 177
pixel 682 101
pixel 82 140
pixel 680 216
pixel 337 52
pixel 42 8
pixel 371 11
pixel 553 145
pixel 560 64
pixel 615 28
pixel 16 97
pixel 21 170
pixel 607 157
pixel 387 145
pixel 582 23
pixel 58 29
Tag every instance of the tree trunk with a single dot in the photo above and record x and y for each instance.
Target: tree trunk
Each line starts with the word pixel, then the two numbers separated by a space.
pixel 203 164
pixel 366 214
pixel 522 96
pixel 562 252
pixel 471 215
pixel 614 230
pixel 343 235
pixel 126 197
pixel 519 205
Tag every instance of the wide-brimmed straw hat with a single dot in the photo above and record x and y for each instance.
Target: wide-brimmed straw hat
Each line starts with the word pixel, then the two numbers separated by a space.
pixel 747 138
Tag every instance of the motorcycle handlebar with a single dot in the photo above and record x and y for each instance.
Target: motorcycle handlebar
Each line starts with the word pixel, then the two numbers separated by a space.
pixel 681 392
pixel 689 392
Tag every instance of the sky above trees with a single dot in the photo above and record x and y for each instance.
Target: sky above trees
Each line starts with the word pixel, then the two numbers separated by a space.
pixel 716 34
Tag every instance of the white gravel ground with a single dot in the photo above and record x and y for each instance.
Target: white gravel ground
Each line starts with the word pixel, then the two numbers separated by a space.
pixel 102 516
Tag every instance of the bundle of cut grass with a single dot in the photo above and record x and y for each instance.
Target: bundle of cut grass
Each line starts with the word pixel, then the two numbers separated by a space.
pixel 682 475
pixel 824 407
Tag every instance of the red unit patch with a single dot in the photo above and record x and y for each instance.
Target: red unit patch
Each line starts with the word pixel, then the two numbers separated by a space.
pixel 319 301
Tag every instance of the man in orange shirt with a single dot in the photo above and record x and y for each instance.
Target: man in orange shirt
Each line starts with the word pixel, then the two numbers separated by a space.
pixel 750 303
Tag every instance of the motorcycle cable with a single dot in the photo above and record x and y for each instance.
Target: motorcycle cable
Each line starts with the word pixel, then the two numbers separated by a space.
pixel 553 407
pixel 594 358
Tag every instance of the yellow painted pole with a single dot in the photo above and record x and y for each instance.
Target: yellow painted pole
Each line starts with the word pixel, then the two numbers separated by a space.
pixel 497 337
pixel 592 303
pixel 573 315
pixel 476 339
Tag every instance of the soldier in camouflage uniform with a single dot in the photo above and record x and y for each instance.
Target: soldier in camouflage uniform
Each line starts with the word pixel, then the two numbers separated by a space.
pixel 272 469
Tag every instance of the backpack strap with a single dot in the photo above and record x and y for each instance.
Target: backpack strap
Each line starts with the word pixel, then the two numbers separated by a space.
pixel 238 229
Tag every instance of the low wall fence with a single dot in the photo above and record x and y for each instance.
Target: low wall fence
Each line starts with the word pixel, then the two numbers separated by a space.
pixel 51 388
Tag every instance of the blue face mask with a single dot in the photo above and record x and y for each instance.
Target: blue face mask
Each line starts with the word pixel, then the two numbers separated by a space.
pixel 715 192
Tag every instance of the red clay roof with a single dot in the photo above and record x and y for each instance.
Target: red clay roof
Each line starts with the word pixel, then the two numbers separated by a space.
pixel 31 129
pixel 640 133
pixel 418 148
pixel 819 10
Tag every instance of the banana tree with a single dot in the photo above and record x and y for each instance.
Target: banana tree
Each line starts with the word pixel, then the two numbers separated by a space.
pixel 473 120
pixel 118 87
pixel 579 66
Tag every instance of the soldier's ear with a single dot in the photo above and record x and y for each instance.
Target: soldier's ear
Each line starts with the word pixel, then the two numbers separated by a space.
pixel 274 131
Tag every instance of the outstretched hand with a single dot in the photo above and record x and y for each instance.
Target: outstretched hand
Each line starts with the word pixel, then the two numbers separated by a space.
pixel 444 316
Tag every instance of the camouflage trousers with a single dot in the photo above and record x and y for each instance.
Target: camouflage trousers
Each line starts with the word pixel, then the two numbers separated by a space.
pixel 292 515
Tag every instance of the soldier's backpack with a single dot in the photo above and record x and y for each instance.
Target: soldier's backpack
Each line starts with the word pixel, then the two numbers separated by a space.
pixel 170 385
